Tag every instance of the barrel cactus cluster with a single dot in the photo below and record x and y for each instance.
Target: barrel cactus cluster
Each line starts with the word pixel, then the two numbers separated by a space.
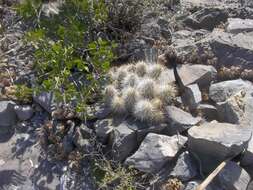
pixel 140 90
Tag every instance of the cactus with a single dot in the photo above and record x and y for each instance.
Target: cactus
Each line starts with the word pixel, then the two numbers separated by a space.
pixel 146 111
pixel 140 90
pixel 141 68
pixel 118 106
pixel 146 88
pixel 109 93
pixel 130 96
pixel 155 71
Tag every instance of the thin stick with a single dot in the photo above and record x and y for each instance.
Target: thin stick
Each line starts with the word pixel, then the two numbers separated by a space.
pixel 206 182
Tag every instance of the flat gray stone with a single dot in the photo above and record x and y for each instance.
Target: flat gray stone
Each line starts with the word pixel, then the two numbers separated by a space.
pixel 214 142
pixel 233 177
pixel 237 25
pixel 123 142
pixel 185 168
pixel 179 120
pixel 155 151
pixel 7 113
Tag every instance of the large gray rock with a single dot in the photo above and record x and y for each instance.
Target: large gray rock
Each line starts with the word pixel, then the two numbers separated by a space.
pixel 124 142
pixel 179 120
pixel 233 177
pixel 220 92
pixel 237 109
pixel 24 112
pixel 185 168
pixel 212 143
pixel 237 25
pixel 234 101
pixel 155 151
pixel 203 75
pixel 207 18
pixel 232 50
pixel 7 114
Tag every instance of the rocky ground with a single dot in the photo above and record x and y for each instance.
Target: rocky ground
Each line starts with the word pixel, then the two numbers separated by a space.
pixel 210 122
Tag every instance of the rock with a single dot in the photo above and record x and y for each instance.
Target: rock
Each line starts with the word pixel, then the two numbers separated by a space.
pixel 237 109
pixel 233 177
pixel 7 114
pixel 207 18
pixel 237 25
pixel 250 186
pixel 85 131
pixel 192 185
pixel 68 144
pixel 81 143
pixel 164 148
pixel 24 112
pixel 192 96
pixel 234 101
pixel 179 120
pixel 214 142
pixel 185 168
pixel 103 130
pixel 209 112
pixel 220 92
pixel 203 75
pixel 247 159
pixel 232 50
pixel 45 100
pixel 142 128
pixel 124 142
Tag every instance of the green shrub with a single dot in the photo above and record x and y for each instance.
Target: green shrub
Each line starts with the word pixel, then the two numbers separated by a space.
pixel 70 58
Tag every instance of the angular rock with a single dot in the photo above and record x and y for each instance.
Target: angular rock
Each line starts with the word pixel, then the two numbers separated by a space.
pixel 192 96
pixel 185 168
pixel 85 131
pixel 220 92
pixel 232 50
pixel 81 143
pixel 24 112
pixel 103 130
pixel 237 25
pixel 233 177
pixel 142 129
pixel 45 100
pixel 247 159
pixel 203 75
pixel 237 109
pixel 192 185
pixel 209 112
pixel 207 18
pixel 164 148
pixel 7 114
pixel 250 186
pixel 214 142
pixel 123 142
pixel 179 120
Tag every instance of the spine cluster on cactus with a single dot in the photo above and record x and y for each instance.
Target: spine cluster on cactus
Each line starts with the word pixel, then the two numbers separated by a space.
pixel 146 88
pixel 140 90
pixel 141 68
pixel 145 110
